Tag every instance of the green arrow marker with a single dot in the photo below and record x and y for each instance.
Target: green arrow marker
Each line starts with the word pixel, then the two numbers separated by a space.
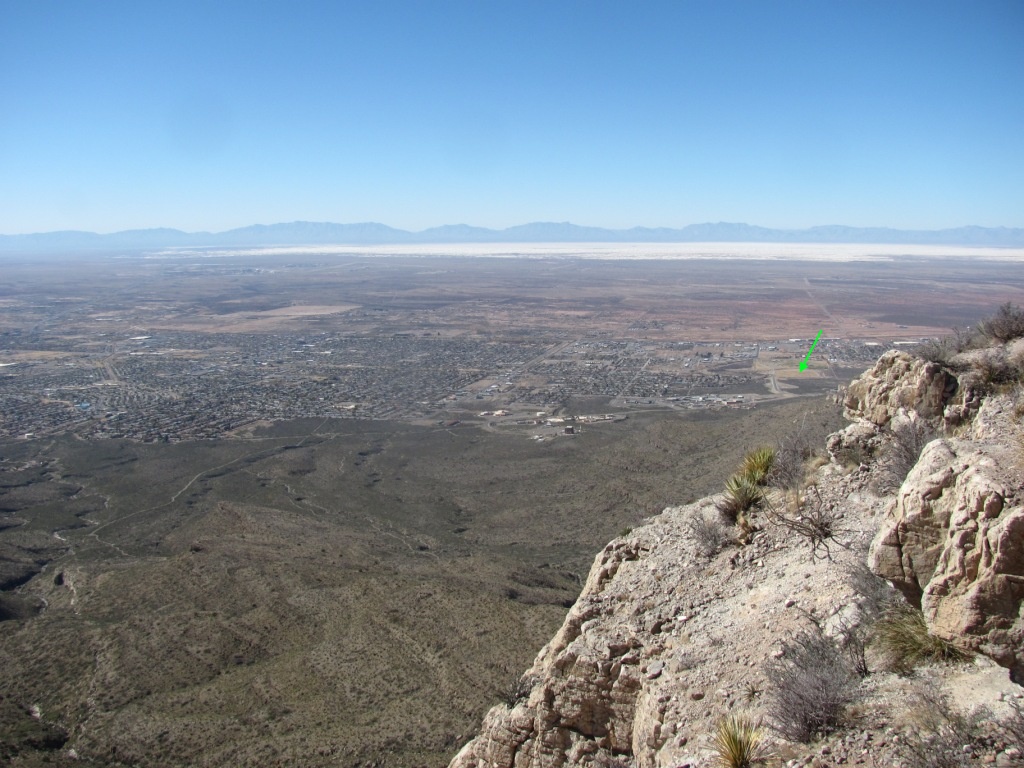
pixel 803 364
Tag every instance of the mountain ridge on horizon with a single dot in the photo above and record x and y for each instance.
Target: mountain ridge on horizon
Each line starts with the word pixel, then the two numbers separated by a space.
pixel 374 233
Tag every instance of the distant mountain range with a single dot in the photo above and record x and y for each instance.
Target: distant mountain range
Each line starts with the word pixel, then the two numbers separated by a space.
pixel 370 233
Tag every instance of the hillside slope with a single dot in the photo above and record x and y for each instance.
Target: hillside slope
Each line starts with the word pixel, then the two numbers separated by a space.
pixel 670 635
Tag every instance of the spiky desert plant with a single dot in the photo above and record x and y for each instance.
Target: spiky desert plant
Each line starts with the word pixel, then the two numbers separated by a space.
pixel 758 463
pixel 738 742
pixel 903 637
pixel 741 493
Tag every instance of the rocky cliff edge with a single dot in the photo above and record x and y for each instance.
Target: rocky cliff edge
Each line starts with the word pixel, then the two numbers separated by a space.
pixel 674 630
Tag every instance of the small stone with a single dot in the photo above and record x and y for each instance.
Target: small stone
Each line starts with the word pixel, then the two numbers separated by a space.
pixel 696 695
pixel 790 603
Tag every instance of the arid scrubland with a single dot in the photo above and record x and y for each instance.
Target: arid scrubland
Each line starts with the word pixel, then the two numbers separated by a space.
pixel 324 513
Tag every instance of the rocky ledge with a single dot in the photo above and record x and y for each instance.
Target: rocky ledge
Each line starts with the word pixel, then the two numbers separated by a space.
pixel 678 626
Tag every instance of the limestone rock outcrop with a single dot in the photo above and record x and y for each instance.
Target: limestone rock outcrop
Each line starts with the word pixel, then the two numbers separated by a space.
pixel 662 642
pixel 665 639
pixel 953 540
pixel 896 381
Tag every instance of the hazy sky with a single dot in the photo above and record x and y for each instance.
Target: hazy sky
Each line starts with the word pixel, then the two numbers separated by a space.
pixel 212 115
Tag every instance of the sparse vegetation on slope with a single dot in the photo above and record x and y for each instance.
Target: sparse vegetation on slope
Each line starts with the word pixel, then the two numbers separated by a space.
pixel 810 519
pixel 708 531
pixel 904 443
pixel 942 736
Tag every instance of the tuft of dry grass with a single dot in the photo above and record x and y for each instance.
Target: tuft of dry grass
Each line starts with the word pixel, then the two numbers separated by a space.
pixel 738 742
pixel 903 638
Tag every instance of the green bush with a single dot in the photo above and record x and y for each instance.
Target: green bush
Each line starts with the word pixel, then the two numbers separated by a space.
pixel 758 463
pixel 741 493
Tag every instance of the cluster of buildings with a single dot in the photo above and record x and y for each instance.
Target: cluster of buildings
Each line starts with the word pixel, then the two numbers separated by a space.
pixel 179 385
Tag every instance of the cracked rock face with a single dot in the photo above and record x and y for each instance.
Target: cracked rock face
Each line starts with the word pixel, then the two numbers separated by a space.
pixel 953 542
pixel 662 642
pixel 897 381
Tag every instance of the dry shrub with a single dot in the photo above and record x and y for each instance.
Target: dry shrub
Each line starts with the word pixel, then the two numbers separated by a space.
pixel 808 687
pixel 854 455
pixel 792 454
pixel 708 531
pixel 518 690
pixel 1014 724
pixel 943 350
pixel 813 520
pixel 942 737
pixel 903 447
pixel 1005 325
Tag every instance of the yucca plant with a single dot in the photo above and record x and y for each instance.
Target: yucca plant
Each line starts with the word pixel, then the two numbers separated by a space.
pixel 741 493
pixel 758 463
pixel 903 637
pixel 738 742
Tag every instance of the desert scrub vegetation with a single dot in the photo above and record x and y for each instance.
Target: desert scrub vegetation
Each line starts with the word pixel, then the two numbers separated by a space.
pixel 741 494
pixel 811 519
pixel 794 455
pixel 942 736
pixel 809 687
pixel 1005 325
pixel 944 349
pixel 738 742
pixel 708 532
pixel 517 690
pixel 902 637
pixel 743 490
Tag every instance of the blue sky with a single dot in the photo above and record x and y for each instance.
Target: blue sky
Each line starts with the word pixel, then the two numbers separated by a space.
pixel 212 115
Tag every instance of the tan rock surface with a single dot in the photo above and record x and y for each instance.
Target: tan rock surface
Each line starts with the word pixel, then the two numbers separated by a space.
pixel 896 381
pixel 953 540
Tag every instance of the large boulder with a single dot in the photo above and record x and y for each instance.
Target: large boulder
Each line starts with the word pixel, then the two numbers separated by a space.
pixel 953 543
pixel 896 381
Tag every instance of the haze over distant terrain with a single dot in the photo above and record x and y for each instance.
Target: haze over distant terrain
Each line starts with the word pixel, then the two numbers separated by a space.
pixel 371 233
